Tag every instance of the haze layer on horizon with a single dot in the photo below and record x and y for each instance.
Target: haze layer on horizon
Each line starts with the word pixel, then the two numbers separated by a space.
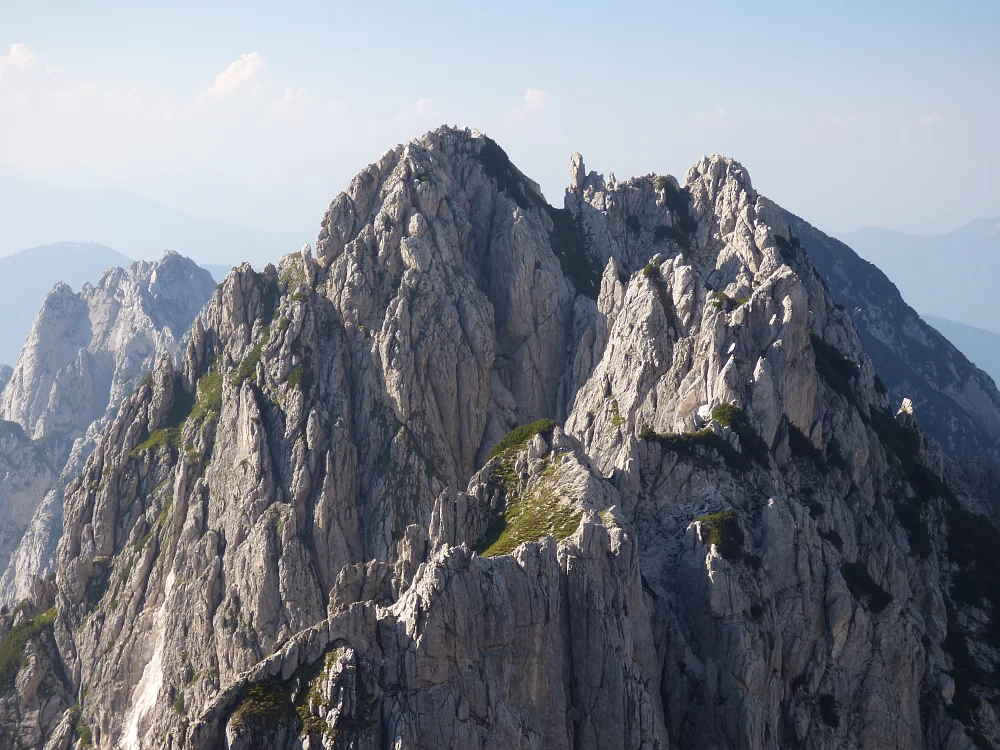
pixel 854 115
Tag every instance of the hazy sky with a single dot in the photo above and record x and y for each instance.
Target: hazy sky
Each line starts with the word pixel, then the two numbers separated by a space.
pixel 863 113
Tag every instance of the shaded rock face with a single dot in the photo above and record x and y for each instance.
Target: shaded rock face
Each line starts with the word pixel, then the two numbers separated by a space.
pixel 5 372
pixel 36 698
pixel 85 353
pixel 958 403
pixel 25 476
pixel 315 527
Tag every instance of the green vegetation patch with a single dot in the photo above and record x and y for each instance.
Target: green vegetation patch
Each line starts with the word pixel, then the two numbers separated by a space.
pixel 162 438
pixel 752 444
pixel 293 276
pixel 248 367
pixel 723 300
pixel 518 437
pixel 83 732
pixel 723 530
pixel 13 645
pixel 616 416
pixel 301 378
pixel 528 520
pixel 863 587
pixel 168 435
pixel 653 273
pixel 266 704
pixel 687 443
pixel 208 404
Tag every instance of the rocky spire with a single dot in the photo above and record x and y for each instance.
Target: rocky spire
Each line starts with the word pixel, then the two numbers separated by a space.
pixel 85 353
pixel 707 528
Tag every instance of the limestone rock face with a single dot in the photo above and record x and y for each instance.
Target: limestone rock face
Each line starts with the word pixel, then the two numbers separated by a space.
pixel 36 696
pixel 317 526
pixel 85 353
pixel 25 476
pixel 5 373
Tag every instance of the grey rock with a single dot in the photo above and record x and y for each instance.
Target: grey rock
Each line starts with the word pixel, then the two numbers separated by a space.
pixel 85 353
pixel 302 532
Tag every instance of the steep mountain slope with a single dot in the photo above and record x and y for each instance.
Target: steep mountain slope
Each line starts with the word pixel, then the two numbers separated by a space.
pixel 85 353
pixel 963 261
pixel 710 530
pixel 26 277
pixel 980 346
pixel 958 404
pixel 5 372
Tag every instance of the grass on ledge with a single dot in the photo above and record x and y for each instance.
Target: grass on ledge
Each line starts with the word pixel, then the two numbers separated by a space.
pixel 687 443
pixel 519 436
pixel 723 530
pixel 529 520
pixel 13 645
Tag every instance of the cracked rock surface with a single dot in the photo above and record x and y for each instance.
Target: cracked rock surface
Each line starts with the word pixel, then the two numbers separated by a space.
pixel 85 353
pixel 478 472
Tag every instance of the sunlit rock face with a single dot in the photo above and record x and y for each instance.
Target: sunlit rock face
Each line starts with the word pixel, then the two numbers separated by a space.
pixel 474 471
pixel 85 353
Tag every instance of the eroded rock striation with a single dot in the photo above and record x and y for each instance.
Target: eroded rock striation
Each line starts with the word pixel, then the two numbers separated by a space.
pixel 479 472
pixel 85 353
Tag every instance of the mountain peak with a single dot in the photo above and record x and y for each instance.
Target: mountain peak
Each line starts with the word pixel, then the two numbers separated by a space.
pixel 474 435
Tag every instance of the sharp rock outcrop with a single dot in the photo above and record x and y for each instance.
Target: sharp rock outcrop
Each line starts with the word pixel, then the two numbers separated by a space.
pixel 709 529
pixel 85 353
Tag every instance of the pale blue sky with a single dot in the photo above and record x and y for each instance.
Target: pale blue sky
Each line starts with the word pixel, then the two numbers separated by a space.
pixel 862 113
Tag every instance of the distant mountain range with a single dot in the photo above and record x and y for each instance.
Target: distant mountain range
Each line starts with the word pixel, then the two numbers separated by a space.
pixel 26 277
pixel 981 347
pixel 36 213
pixel 204 194
pixel 948 275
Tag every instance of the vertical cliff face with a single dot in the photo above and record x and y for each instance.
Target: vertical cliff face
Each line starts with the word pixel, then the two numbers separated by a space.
pixel 710 529
pixel 26 474
pixel 85 353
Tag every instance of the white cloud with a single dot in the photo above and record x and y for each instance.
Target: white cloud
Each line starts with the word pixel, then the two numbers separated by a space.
pixel 716 116
pixel 18 58
pixel 422 108
pixel 294 101
pixel 534 100
pixel 829 118
pixel 239 72
pixel 135 101
pixel 930 118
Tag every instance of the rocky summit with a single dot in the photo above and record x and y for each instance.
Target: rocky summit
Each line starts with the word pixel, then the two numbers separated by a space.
pixel 86 352
pixel 475 471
